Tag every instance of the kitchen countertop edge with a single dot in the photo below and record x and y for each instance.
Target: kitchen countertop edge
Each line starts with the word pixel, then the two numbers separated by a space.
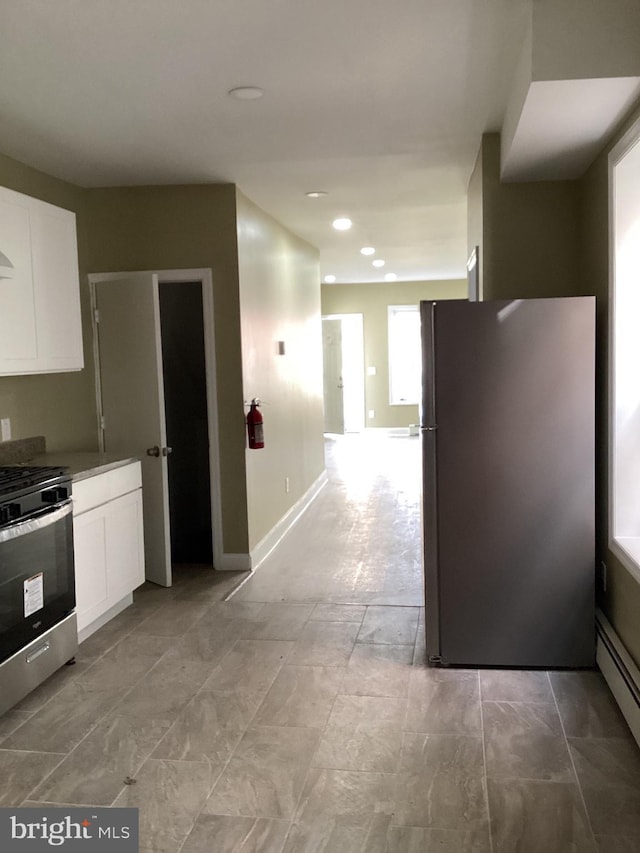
pixel 83 465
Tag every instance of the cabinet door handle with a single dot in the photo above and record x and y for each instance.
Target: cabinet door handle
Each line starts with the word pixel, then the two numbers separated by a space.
pixel 153 451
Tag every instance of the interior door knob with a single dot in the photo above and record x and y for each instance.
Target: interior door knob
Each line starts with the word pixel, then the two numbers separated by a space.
pixel 167 450
pixel 153 451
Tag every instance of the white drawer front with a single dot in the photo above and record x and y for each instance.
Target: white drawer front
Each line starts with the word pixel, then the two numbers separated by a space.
pixel 97 490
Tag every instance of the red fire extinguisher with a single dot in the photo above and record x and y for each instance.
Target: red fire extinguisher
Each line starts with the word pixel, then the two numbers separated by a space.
pixel 254 426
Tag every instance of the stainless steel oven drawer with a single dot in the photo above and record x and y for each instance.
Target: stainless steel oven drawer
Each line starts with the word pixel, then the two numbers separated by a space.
pixel 26 669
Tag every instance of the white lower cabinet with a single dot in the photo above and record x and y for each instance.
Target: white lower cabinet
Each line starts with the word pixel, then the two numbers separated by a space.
pixel 108 544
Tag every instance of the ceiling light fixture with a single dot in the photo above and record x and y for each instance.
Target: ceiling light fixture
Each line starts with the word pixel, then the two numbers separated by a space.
pixel 329 279
pixel 378 262
pixel 367 250
pixel 246 93
pixel 343 223
pixel 390 276
pixel 316 193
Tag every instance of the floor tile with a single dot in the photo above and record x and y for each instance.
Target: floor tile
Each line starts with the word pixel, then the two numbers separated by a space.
pixel 617 844
pixel 443 704
pixel 515 685
pixel 525 741
pixel 363 733
pixel 280 621
pixel 391 625
pixel 440 783
pixel 300 696
pixel 169 795
pixel 20 773
pixel 250 667
pixel 606 761
pixel 209 727
pixel 378 670
pixel 365 833
pixel 413 839
pixel 611 806
pixel 65 720
pixel 339 612
pixel 10 721
pixel 166 689
pixel 95 772
pixel 530 817
pixel 264 778
pixel 173 618
pixel 324 644
pixel 229 834
pixel 343 810
pixel 586 705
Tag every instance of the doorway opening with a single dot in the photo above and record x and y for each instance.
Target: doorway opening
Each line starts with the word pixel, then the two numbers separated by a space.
pixel 156 400
pixel 185 402
pixel 343 358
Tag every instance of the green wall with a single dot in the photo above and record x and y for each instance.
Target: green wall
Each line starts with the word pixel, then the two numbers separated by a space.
pixel 530 232
pixel 279 277
pixel 372 301
pixel 187 227
pixel 60 406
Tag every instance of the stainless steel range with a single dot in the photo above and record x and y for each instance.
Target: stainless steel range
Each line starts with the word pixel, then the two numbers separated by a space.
pixel 38 631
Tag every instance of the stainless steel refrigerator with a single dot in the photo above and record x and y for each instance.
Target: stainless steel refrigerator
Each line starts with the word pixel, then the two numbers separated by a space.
pixel 507 426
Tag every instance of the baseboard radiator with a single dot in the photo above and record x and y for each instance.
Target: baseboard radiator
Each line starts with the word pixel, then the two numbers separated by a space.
pixel 620 672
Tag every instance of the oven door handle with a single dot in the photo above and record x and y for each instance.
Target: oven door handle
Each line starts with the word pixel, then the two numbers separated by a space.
pixel 30 525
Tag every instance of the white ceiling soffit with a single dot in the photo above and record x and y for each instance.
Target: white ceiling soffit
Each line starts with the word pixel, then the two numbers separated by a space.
pixel 563 125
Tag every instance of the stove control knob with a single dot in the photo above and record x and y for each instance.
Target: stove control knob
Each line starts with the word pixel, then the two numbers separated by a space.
pixel 52 496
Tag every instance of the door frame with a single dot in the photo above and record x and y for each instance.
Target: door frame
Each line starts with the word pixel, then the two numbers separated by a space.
pixel 205 277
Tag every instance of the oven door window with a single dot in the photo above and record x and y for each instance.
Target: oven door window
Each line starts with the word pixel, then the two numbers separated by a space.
pixel 36 576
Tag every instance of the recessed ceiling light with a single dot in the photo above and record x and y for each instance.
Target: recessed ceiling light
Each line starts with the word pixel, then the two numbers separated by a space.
pixel 342 224
pixel 316 193
pixel 378 262
pixel 367 250
pixel 246 93
pixel 390 276
pixel 329 279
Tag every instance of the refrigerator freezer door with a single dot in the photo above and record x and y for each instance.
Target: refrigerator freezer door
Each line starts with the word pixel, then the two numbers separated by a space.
pixel 513 398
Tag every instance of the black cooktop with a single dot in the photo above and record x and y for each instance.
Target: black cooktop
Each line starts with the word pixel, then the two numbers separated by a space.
pixel 18 478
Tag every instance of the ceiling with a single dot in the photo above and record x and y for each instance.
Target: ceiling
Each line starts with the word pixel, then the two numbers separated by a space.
pixel 379 103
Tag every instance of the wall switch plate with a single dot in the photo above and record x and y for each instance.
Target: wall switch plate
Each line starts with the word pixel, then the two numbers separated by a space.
pixel 371 371
pixel 5 429
pixel 371 413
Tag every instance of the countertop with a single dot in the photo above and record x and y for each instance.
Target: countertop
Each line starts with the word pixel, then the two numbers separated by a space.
pixel 84 464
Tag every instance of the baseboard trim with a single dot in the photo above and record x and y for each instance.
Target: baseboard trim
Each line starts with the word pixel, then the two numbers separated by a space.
pixel 280 530
pixel 619 671
pixel 233 563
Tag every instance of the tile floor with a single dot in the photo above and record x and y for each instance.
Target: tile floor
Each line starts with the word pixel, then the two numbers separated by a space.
pixel 299 716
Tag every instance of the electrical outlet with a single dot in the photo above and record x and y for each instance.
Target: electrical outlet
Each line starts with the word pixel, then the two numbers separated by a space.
pixel 286 485
pixel 5 429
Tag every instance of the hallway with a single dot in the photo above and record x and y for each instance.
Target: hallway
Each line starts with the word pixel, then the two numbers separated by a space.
pixel 297 716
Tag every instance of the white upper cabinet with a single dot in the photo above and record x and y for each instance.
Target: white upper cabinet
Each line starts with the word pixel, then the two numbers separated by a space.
pixel 40 325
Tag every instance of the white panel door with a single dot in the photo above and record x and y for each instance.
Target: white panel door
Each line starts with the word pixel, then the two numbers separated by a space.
pixel 333 381
pixel 132 393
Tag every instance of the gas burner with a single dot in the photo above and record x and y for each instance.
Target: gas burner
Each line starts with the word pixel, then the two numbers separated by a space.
pixel 16 479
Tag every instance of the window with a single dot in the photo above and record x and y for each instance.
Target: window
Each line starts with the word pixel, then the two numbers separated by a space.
pixel 405 356
pixel 625 351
